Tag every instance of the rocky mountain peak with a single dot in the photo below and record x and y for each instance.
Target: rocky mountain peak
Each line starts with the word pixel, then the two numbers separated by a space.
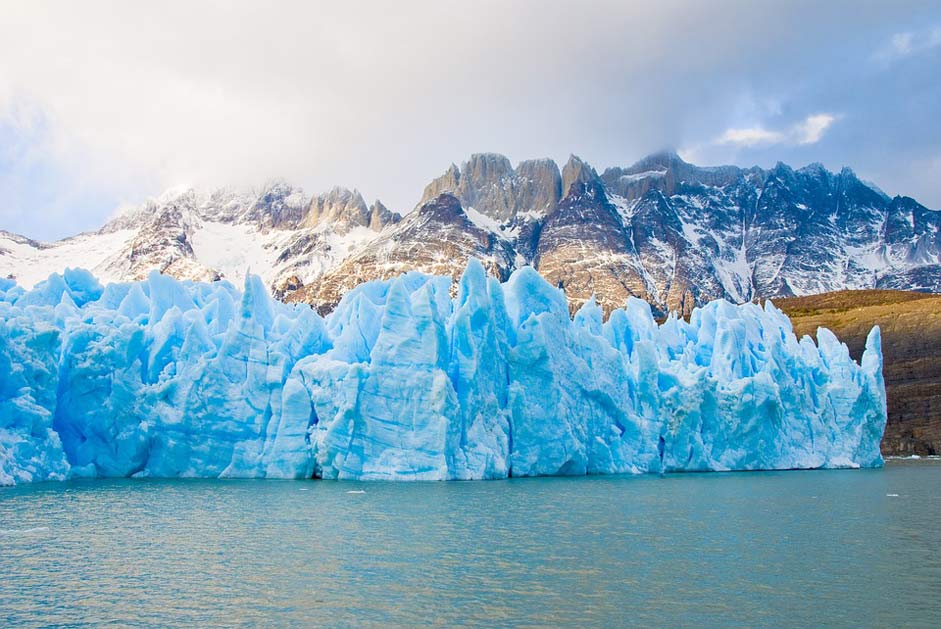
pixel 450 181
pixel 380 216
pixel 153 210
pixel 661 160
pixel 488 183
pixel 342 208
pixel 445 208
pixel 277 204
pixel 271 192
pixel 576 171
pixel 543 169
pixel 783 172
pixel 814 170
pixel 484 168
pixel 538 184
pixel 665 171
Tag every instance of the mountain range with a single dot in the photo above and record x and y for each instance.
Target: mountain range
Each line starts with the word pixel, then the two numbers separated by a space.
pixel 674 234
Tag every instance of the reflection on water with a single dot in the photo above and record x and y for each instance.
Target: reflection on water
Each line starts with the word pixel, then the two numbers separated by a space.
pixel 791 548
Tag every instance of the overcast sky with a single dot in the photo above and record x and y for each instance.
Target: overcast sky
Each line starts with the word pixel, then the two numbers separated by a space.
pixel 104 104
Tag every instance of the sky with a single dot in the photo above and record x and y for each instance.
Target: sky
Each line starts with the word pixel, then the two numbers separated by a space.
pixel 104 104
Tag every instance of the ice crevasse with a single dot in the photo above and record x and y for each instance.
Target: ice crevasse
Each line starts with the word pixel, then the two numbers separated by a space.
pixel 164 378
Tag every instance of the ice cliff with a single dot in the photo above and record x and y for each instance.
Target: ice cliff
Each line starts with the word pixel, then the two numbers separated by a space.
pixel 166 378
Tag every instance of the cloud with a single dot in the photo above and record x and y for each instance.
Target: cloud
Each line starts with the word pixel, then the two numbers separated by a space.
pixel 812 128
pixel 901 44
pixel 807 131
pixel 134 98
pixel 750 137
pixel 907 43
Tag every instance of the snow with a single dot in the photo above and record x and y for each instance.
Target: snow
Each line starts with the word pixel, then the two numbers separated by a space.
pixel 535 214
pixel 735 274
pixel 624 207
pixel 29 264
pixel 237 249
pixel 691 233
pixel 343 245
pixel 163 378
pixel 647 174
pixel 868 258
pixel 233 249
pixel 488 224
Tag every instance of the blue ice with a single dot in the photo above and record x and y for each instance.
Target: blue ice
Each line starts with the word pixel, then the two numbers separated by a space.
pixel 167 378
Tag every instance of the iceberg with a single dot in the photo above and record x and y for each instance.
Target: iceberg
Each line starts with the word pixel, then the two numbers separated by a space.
pixel 414 379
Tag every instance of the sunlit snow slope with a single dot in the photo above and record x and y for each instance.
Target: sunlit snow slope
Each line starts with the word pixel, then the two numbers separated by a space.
pixel 276 232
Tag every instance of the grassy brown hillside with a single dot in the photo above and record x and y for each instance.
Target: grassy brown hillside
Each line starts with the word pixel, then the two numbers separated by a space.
pixel 911 346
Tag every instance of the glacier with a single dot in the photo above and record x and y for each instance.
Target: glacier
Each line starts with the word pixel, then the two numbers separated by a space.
pixel 414 379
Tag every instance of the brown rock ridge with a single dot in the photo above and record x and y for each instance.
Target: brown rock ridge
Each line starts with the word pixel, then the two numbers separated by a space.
pixel 911 347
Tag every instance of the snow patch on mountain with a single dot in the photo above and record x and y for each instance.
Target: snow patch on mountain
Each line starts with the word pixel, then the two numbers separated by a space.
pixel 30 262
pixel 235 250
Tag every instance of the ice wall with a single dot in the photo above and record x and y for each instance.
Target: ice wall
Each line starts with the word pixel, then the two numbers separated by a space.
pixel 167 378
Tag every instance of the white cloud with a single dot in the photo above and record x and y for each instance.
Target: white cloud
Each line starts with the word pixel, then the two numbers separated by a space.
pixel 807 131
pixel 901 44
pixel 812 128
pixel 752 136
pixel 907 43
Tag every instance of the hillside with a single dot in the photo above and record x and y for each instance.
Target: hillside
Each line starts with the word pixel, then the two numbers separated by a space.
pixel 911 340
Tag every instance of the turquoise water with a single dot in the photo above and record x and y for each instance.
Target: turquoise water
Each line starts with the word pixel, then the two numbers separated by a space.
pixel 763 549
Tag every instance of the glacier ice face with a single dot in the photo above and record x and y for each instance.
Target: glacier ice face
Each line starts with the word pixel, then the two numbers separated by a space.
pixel 402 381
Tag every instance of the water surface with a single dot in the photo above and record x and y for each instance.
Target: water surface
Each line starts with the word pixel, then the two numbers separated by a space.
pixel 860 547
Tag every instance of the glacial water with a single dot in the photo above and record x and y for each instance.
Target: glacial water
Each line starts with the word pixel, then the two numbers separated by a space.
pixel 855 548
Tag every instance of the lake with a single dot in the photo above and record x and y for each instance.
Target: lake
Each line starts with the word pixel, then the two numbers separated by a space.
pixel 855 547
